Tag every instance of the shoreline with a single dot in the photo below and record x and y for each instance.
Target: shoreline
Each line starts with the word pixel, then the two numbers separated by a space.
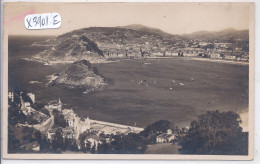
pixel 108 60
pixel 201 59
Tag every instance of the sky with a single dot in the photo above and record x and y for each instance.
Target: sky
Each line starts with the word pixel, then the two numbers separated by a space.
pixel 174 18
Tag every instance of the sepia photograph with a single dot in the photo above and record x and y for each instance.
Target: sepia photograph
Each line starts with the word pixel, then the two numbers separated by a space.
pixel 128 80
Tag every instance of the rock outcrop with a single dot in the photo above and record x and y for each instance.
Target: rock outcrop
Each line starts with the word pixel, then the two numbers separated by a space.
pixel 70 48
pixel 79 75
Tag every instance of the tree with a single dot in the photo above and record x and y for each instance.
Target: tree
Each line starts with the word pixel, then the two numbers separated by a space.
pixel 59 120
pixel 37 106
pixel 104 148
pixel 93 149
pixel 31 120
pixel 70 144
pixel 215 133
pixel 128 144
pixel 44 145
pixel 45 111
pixel 15 115
pixel 88 146
pixel 27 134
pixel 13 142
pixel 26 98
pixel 57 142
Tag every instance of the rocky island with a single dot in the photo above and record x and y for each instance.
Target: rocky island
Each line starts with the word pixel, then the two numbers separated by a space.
pixel 79 74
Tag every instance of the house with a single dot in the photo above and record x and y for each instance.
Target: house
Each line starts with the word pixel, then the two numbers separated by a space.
pixel 215 56
pixel 93 140
pixel 165 137
pixel 230 57
pixel 51 134
pixel 204 43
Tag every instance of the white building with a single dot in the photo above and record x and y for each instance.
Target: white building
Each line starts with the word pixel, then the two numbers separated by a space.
pixel 93 140
pixel 215 56
pixel 11 96
pixel 55 105
pixel 165 137
pixel 78 125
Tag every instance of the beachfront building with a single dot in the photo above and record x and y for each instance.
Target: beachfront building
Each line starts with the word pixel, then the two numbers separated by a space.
pixel 215 56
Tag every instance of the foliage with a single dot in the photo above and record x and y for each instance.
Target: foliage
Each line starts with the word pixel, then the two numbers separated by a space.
pixel 180 134
pixel 59 120
pixel 15 115
pixel 45 111
pixel 104 148
pixel 27 135
pixel 215 133
pixel 95 70
pixel 128 144
pixel 31 120
pixel 26 98
pixel 37 106
pixel 13 142
pixel 70 144
pixel 155 129
pixel 57 142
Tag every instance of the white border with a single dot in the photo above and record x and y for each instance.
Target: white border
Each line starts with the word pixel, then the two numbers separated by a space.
pixel 257 91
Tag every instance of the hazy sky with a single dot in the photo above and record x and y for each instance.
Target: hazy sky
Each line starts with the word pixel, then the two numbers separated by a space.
pixel 175 18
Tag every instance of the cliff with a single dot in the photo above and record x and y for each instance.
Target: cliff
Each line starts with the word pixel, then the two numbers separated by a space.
pixel 69 48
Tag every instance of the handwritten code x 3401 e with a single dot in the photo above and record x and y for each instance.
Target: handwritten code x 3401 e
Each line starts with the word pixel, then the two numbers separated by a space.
pixel 42 21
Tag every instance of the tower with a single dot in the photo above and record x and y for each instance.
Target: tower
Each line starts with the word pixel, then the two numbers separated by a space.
pixel 87 122
pixel 59 105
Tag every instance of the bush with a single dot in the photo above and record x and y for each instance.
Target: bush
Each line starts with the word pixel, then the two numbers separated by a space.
pixel 59 120
pixel 45 111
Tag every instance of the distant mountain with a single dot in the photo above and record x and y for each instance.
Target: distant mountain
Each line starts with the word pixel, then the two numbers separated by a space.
pixel 79 74
pixel 94 43
pixel 226 34
pixel 142 28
